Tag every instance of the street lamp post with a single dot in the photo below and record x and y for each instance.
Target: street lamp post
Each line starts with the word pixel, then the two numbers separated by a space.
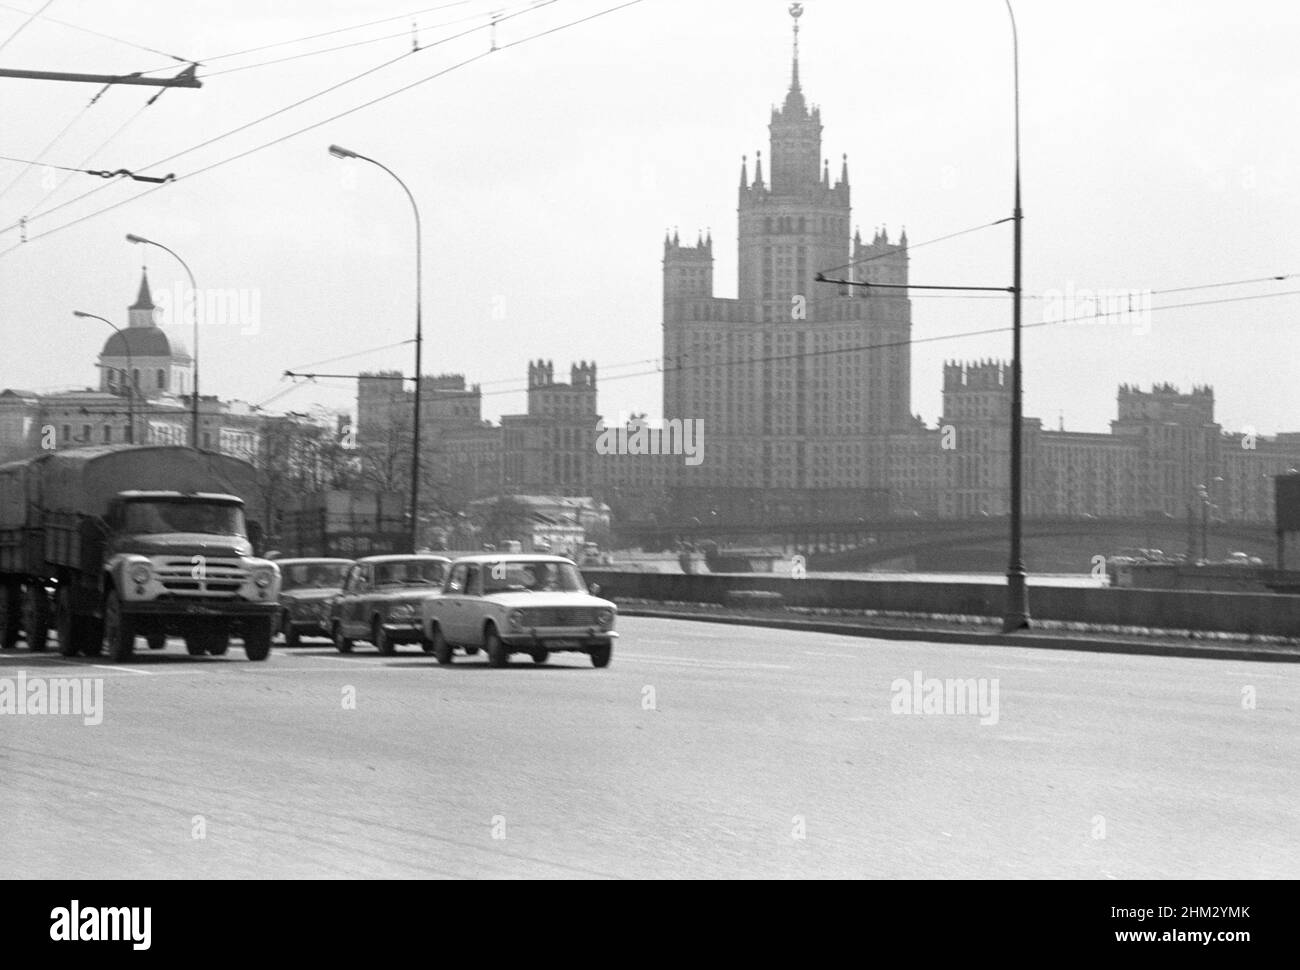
pixel 194 419
pixel 1017 612
pixel 131 385
pixel 340 152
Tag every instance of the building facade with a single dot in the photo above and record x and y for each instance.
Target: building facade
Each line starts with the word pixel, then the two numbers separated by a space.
pixel 799 384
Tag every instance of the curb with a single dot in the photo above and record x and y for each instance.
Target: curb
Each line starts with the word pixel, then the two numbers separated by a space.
pixel 1256 652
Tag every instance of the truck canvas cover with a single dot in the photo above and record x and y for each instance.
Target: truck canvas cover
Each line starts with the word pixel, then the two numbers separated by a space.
pixel 86 479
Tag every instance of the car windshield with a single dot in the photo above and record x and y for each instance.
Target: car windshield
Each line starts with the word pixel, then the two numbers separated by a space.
pixel 534 577
pixel 410 572
pixel 313 575
pixel 177 515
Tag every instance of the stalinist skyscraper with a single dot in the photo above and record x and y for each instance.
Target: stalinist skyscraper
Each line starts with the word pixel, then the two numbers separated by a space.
pixel 797 416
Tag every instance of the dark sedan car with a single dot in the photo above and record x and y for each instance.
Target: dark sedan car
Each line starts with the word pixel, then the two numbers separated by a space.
pixel 380 601
pixel 307 587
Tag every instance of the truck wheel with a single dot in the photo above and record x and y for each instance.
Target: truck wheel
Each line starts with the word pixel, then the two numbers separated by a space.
pixel 156 641
pixel 471 651
pixel 441 648
pixel 10 617
pixel 498 653
pixel 257 640
pixel 600 655
pixel 382 641
pixel 341 643
pixel 119 631
pixel 541 655
pixel 36 616
pixel 218 646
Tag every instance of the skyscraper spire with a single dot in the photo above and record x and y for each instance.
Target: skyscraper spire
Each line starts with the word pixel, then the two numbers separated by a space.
pixel 796 11
pixel 794 100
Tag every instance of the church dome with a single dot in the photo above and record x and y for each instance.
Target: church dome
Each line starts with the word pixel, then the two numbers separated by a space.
pixel 138 342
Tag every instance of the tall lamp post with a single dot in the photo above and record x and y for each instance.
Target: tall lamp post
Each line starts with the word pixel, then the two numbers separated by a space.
pixel 194 418
pixel 1017 612
pixel 131 384
pixel 340 152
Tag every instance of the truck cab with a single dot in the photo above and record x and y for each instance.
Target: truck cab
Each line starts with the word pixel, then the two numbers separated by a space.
pixel 183 564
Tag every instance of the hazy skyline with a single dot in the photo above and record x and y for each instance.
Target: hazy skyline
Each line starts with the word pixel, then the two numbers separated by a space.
pixel 1156 156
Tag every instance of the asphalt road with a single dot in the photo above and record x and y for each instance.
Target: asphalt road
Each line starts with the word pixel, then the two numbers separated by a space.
pixel 703 751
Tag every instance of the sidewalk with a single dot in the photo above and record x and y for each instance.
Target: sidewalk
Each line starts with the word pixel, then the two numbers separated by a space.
pixel 934 631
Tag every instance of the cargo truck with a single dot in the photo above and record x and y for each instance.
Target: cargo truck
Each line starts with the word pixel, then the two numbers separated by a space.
pixel 119 542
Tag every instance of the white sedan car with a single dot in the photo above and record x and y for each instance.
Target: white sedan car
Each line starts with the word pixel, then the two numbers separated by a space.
pixel 512 603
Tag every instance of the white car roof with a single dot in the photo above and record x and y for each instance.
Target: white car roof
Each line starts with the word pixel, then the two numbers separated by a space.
pixel 495 557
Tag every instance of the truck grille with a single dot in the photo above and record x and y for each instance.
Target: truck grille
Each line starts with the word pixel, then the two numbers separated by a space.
pixel 560 616
pixel 220 578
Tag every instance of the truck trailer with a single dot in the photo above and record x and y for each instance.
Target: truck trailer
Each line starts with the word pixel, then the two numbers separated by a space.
pixel 118 542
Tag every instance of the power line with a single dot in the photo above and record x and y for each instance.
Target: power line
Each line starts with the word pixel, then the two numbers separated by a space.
pixel 40 156
pixel 929 242
pixel 339 47
pixel 911 341
pixel 327 33
pixel 323 122
pixel 96 150
pixel 267 117
pixel 23 26
pixel 97 33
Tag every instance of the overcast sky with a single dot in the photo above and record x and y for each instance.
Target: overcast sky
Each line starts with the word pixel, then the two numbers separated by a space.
pixel 1159 139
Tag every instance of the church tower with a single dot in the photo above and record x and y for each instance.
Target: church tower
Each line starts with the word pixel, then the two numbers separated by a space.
pixel 143 356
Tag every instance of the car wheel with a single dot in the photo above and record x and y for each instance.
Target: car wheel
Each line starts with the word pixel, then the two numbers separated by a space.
pixel 600 655
pixel 257 639
pixel 156 641
pixel 382 641
pixel 119 631
pixel 497 653
pixel 341 643
pixel 291 636
pixel 441 648
pixel 195 647
pixel 471 651
pixel 541 655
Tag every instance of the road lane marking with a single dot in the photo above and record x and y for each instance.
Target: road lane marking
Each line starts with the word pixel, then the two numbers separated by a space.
pixel 122 670
pixel 700 663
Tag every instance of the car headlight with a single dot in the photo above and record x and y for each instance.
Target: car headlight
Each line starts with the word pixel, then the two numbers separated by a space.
pixel 402 610
pixel 140 573
pixel 516 619
pixel 263 577
pixel 605 618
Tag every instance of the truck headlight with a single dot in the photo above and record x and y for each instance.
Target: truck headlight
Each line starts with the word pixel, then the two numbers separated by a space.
pixel 605 618
pixel 263 577
pixel 140 573
pixel 516 620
